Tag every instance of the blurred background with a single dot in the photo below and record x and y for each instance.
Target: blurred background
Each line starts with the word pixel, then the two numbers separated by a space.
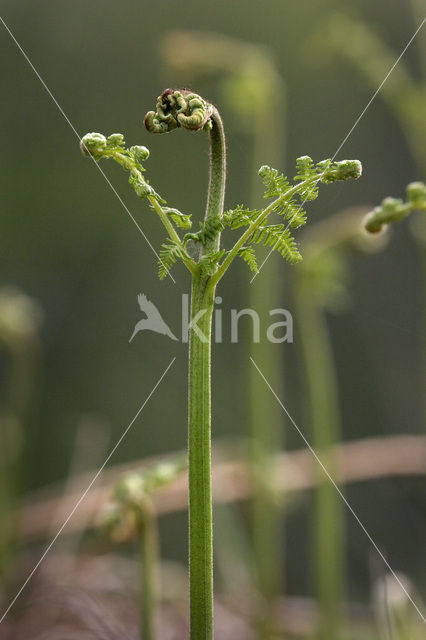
pixel 72 263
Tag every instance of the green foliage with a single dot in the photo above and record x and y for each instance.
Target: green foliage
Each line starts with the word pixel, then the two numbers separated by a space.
pixel 288 202
pixel 181 220
pixel 249 256
pixel 395 210
pixel 97 146
pixel 169 254
pixel 186 109
pixel 209 230
pixel 239 217
pixel 209 262
pixel 278 238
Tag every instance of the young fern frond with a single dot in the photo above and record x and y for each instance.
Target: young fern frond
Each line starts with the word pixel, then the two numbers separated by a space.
pixel 183 109
pixel 169 255
pixel 278 238
pixel 395 210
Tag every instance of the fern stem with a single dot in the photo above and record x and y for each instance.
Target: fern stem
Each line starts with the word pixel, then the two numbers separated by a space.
pixel 164 219
pixel 199 423
pixel 199 442
pixel 217 178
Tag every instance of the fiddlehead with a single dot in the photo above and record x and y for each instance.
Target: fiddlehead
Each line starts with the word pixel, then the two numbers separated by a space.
pixel 187 110
pixel 179 109
pixel 395 210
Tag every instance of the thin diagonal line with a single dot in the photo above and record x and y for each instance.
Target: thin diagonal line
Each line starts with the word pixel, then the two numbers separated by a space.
pixel 357 121
pixel 79 138
pixel 84 494
pixel 312 450
pixel 379 87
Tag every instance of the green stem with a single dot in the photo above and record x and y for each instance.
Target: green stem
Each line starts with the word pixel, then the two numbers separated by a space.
pixel 129 165
pixel 149 570
pixel 199 422
pixel 217 177
pixel 199 437
pixel 165 220
pixel 328 519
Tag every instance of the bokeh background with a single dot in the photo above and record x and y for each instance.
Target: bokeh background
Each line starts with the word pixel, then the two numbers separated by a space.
pixel 66 241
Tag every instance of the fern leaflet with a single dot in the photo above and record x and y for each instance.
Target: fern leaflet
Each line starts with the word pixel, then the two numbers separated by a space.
pixel 279 239
pixel 169 254
pixel 249 256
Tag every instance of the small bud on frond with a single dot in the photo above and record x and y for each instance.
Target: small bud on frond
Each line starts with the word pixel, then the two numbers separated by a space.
pixel 416 194
pixel 92 144
pixel 342 170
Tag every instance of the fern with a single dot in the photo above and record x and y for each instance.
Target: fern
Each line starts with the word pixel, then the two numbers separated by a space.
pixel 239 217
pixel 279 239
pixel 209 230
pixel 394 209
pixel 169 254
pixel 275 184
pixel 249 256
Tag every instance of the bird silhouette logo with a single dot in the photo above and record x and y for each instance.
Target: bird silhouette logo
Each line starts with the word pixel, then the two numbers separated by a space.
pixel 153 320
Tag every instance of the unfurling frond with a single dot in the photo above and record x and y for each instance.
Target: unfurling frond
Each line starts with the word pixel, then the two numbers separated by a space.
pixel 278 238
pixel 97 146
pixel 179 109
pixel 248 255
pixel 169 254
pixel 395 210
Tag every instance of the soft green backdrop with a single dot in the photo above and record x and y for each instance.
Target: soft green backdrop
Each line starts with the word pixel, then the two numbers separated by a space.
pixel 66 240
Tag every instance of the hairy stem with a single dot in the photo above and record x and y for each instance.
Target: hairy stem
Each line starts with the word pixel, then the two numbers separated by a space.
pixel 217 177
pixel 199 441
pixel 164 219
pixel 199 427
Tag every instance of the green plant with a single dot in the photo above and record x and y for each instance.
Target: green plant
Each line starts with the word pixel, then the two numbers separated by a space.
pixel 248 69
pixel 395 210
pixel 184 109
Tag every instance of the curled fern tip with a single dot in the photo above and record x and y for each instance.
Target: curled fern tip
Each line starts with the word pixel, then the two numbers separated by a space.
pixel 179 109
